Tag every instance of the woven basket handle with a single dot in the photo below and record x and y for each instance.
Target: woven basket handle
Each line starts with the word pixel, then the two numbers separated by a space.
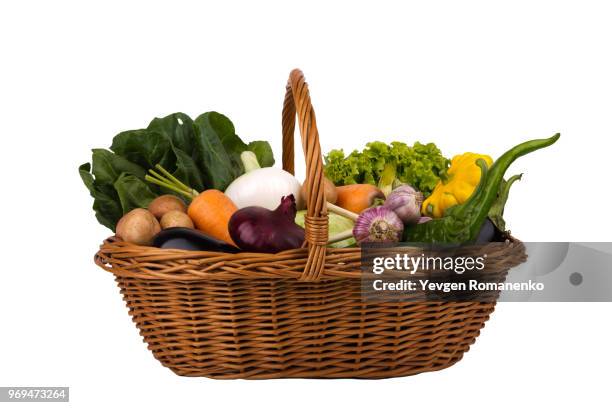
pixel 298 97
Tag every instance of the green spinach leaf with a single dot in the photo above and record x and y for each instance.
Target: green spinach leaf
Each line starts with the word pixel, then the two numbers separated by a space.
pixel 106 205
pixel 226 132
pixel 232 143
pixel 177 127
pixel 108 166
pixel 187 171
pixel 144 147
pixel 106 202
pixel 263 151
pixel 133 192
pixel 209 153
pixel 86 176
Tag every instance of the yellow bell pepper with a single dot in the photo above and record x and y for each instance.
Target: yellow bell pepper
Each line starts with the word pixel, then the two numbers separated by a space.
pixel 462 178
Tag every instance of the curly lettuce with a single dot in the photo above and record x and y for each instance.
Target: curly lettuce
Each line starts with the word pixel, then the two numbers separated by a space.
pixel 382 164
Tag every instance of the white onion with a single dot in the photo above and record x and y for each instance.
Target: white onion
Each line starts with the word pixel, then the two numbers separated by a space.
pixel 264 187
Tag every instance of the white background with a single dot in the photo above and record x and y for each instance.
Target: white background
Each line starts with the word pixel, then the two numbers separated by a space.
pixel 469 75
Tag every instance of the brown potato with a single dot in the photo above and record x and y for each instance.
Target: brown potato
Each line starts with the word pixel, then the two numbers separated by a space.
pixel 138 226
pixel 162 204
pixel 330 190
pixel 176 218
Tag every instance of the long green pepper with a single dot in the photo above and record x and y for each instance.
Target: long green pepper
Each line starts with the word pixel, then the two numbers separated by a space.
pixel 462 223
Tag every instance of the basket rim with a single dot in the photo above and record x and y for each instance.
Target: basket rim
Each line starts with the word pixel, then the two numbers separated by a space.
pixel 130 260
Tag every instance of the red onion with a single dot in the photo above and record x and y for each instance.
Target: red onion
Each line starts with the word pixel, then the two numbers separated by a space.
pixel 406 202
pixel 378 224
pixel 258 229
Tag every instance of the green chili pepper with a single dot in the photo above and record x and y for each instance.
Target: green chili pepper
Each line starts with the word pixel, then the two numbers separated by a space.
pixel 462 222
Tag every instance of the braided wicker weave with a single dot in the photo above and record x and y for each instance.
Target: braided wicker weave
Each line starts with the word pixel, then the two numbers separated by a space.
pixel 298 313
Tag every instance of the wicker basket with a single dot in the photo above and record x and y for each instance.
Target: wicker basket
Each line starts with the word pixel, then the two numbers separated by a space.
pixel 298 313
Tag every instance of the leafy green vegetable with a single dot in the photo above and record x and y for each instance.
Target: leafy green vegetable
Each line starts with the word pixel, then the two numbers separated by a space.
pixel 133 192
pixel 177 127
pixel 219 167
pixel 224 129
pixel 106 204
pixel 144 147
pixel 187 171
pixel 100 178
pixel 86 176
pixel 108 166
pixel 420 165
pixel 263 151
pixel 204 153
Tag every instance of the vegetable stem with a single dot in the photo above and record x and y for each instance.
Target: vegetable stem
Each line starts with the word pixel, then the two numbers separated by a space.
pixel 174 179
pixel 153 180
pixel 249 161
pixel 341 211
pixel 170 182
pixel 341 236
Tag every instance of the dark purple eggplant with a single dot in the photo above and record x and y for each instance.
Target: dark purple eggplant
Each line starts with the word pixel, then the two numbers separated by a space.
pixel 190 240
pixel 258 229
pixel 487 232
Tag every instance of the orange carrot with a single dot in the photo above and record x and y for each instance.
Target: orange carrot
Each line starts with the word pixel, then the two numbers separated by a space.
pixel 357 197
pixel 211 211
